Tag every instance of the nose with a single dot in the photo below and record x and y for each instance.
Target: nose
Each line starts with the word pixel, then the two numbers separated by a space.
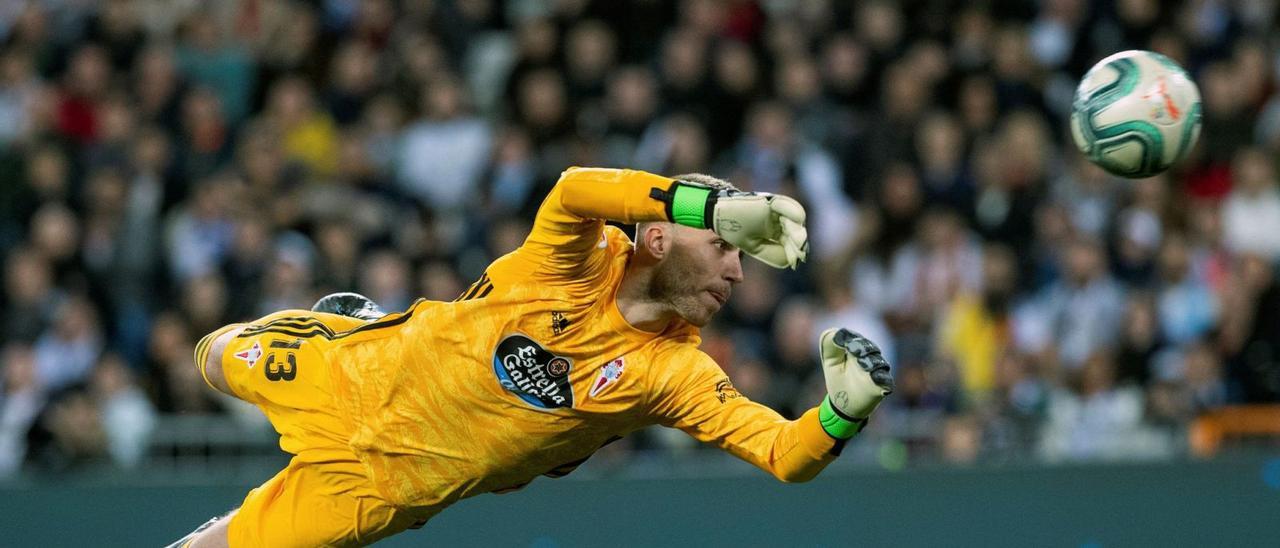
pixel 733 272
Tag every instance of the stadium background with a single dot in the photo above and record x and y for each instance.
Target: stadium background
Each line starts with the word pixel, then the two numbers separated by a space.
pixel 168 166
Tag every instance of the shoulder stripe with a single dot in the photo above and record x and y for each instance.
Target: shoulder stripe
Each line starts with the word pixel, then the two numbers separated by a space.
pixel 484 279
pixel 288 331
pixel 299 323
pixel 477 290
pixel 470 292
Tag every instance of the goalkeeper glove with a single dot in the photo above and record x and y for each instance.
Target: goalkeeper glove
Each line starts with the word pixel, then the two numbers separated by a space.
pixel 858 377
pixel 769 227
pixel 352 305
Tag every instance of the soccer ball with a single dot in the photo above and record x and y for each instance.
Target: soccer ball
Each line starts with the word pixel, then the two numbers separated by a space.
pixel 1135 114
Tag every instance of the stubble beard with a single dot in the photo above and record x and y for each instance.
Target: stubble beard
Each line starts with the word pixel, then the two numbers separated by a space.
pixel 672 285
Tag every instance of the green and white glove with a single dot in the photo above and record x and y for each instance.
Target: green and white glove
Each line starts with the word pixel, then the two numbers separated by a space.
pixel 858 377
pixel 769 227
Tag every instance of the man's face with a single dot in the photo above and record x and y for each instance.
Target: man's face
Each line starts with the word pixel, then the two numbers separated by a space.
pixel 697 274
pixel 1083 261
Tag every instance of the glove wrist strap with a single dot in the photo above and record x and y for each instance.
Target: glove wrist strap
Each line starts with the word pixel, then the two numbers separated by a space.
pixel 691 205
pixel 837 424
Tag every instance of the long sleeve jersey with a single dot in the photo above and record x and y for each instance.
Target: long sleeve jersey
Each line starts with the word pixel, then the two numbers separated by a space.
pixel 534 367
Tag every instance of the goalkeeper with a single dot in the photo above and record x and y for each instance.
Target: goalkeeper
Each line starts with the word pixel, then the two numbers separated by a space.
pixel 575 339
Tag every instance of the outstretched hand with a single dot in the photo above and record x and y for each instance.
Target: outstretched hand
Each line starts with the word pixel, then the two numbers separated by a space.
pixel 858 376
pixel 769 227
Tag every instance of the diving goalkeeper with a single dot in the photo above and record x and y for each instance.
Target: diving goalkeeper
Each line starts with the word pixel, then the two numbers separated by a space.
pixel 573 340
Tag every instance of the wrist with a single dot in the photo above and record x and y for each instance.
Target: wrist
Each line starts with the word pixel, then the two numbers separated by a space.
pixel 837 424
pixel 691 205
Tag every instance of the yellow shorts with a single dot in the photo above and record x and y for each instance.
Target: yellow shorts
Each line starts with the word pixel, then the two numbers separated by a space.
pixel 323 497
pixel 315 504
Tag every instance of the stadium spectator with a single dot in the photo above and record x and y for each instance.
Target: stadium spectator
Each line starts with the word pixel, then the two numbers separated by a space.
pixel 1099 419
pixel 127 415
pixel 68 434
pixel 1251 211
pixel 444 153
pixel 31 294
pixel 973 328
pixel 1186 307
pixel 68 349
pixel 21 400
pixel 1079 315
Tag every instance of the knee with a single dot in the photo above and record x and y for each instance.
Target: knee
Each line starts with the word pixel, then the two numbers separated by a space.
pixel 209 357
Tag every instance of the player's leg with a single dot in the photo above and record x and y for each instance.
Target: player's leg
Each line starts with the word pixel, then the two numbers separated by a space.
pixel 210 534
pixel 282 364
pixel 308 504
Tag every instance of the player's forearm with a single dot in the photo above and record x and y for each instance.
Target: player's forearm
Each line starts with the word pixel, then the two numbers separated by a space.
pixel 621 195
pixel 792 451
pixel 803 452
pixel 694 395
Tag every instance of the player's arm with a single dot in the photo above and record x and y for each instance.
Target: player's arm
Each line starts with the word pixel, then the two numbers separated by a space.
pixel 570 222
pixel 858 377
pixel 568 226
pixel 696 396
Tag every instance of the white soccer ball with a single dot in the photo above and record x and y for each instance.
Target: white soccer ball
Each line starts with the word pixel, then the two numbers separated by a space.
pixel 1135 114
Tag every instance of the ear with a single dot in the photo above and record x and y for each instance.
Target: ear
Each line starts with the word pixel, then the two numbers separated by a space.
pixel 655 239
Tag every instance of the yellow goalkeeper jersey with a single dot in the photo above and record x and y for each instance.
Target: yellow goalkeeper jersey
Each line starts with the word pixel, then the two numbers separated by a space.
pixel 534 368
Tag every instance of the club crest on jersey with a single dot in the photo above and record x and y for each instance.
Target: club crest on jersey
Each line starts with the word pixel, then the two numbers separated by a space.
pixel 251 355
pixel 608 376
pixel 529 371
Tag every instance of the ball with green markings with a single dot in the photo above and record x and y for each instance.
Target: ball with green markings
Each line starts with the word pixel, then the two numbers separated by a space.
pixel 1135 114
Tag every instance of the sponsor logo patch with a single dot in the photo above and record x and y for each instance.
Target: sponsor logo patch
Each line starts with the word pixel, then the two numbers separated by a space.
pixel 528 370
pixel 558 322
pixel 725 390
pixel 558 367
pixel 251 355
pixel 608 376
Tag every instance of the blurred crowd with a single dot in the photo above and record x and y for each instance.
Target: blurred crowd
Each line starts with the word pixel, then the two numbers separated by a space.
pixel 169 166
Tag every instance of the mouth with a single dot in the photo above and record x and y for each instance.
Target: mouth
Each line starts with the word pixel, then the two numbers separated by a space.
pixel 718 296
